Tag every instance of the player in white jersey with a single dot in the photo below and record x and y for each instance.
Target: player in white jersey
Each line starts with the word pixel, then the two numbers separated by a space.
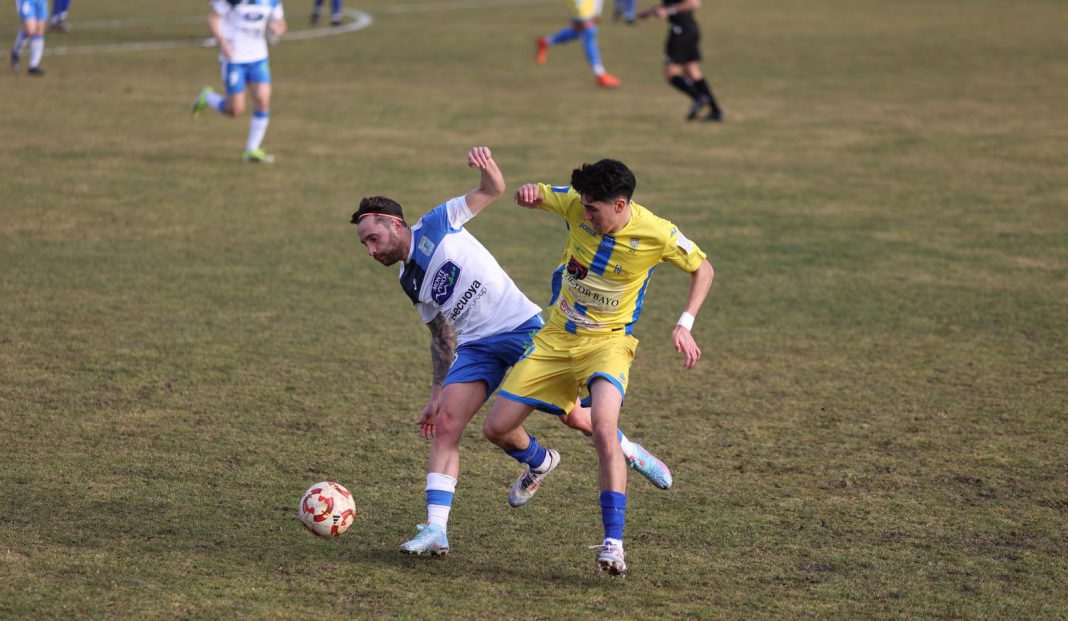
pixel 243 28
pixel 462 294
pixel 34 17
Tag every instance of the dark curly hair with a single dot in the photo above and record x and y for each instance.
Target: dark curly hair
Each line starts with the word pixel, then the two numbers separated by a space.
pixel 605 180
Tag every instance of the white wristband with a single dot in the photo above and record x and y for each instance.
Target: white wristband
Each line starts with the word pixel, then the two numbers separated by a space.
pixel 686 321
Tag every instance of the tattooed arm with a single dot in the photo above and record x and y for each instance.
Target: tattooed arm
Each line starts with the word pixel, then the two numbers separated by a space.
pixel 442 351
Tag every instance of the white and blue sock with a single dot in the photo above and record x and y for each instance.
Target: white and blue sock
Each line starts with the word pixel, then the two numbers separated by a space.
pixel 535 455
pixel 36 50
pixel 613 515
pixel 59 10
pixel 257 129
pixel 439 492
pixel 217 101
pixel 593 52
pixel 625 444
pixel 21 39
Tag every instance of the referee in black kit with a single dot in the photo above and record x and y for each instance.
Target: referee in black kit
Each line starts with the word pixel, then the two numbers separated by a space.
pixel 681 65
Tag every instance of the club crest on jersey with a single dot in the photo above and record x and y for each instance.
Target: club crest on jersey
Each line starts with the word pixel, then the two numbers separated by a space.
pixel 577 270
pixel 444 282
pixel 426 246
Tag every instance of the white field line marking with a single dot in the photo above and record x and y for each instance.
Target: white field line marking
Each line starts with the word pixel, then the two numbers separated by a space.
pixel 360 20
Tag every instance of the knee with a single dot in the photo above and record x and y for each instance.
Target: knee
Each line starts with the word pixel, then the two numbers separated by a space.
pixel 490 431
pixel 449 424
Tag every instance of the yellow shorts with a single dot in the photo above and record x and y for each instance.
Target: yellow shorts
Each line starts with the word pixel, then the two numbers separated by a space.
pixel 560 366
pixel 585 9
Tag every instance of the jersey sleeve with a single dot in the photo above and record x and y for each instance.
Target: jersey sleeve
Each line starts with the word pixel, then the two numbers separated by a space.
pixel 681 251
pixel 458 212
pixel 222 7
pixel 440 217
pixel 426 311
pixel 560 200
pixel 277 12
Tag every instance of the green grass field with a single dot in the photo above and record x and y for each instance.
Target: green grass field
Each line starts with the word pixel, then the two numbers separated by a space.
pixel 876 430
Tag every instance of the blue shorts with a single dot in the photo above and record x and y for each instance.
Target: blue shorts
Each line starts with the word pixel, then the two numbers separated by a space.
pixel 236 74
pixel 488 360
pixel 32 9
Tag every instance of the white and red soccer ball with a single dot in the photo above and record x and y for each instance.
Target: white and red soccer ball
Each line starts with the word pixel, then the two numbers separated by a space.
pixel 327 509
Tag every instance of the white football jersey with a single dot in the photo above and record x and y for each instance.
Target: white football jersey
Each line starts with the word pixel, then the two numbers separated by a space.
pixel 244 26
pixel 449 272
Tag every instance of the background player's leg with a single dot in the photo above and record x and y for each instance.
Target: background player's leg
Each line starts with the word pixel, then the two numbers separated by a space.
pixel 261 118
pixel 693 70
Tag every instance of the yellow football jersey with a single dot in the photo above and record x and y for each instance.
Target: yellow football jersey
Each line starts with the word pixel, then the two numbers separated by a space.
pixel 600 285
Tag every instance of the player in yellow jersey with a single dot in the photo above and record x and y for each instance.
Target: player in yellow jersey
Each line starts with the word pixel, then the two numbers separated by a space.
pixel 587 14
pixel 586 347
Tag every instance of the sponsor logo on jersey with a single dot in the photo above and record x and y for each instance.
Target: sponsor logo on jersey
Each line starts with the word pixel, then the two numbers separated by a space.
pixel 444 282
pixel 586 228
pixel 577 270
pixel 471 295
pixel 426 246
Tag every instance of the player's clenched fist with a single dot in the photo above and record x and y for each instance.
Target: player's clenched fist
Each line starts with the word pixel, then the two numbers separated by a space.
pixel 528 195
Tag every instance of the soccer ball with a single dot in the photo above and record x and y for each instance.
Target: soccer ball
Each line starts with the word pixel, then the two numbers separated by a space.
pixel 327 509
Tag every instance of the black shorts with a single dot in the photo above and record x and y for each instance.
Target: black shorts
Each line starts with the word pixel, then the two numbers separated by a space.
pixel 682 45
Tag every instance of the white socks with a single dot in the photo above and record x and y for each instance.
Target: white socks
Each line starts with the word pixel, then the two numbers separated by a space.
pixel 257 129
pixel 440 489
pixel 36 50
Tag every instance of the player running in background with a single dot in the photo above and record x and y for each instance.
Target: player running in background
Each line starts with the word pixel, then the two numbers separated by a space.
pixel 34 17
pixel 242 28
pixel 681 62
pixel 586 345
pixel 583 26
pixel 59 22
pixel 335 12
pixel 480 324
pixel 625 10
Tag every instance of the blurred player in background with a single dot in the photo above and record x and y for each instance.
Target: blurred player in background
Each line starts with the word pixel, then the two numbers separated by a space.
pixel 243 28
pixel 682 67
pixel 59 22
pixel 34 17
pixel 586 345
pixel 625 10
pixel 480 325
pixel 583 26
pixel 335 12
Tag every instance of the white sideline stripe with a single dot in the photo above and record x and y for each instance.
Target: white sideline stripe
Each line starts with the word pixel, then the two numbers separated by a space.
pixel 459 5
pixel 361 20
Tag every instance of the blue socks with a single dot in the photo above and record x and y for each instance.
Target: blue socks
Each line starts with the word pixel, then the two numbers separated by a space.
pixel 593 53
pixel 613 514
pixel 533 455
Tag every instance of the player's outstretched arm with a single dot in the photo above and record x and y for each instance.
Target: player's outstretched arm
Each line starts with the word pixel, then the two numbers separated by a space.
pixel 701 281
pixel 491 184
pixel 528 196
pixel 662 12
pixel 442 351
